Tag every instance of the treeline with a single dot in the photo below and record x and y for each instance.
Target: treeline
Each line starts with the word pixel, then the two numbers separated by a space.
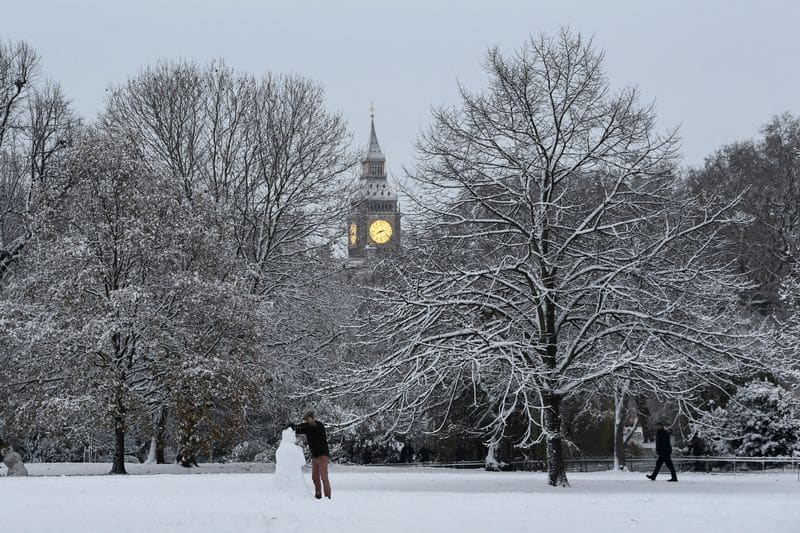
pixel 172 278
pixel 167 269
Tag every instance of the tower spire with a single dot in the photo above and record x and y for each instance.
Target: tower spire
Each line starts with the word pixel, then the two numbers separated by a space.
pixel 374 222
pixel 374 152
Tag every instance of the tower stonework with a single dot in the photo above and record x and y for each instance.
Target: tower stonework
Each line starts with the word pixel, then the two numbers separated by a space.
pixel 374 222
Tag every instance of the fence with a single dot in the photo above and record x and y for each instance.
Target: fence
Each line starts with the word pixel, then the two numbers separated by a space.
pixel 706 463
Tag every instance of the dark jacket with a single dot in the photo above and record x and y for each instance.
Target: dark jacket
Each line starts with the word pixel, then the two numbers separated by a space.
pixel 663 445
pixel 317 438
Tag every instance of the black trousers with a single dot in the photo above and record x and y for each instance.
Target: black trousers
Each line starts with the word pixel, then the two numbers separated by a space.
pixel 665 460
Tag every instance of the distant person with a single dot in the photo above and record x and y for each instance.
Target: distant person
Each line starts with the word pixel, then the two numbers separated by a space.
pixel 697 447
pixel 664 452
pixel 407 454
pixel 314 431
pixel 187 456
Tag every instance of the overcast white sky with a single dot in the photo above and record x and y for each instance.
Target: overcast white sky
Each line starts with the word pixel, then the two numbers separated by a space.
pixel 719 69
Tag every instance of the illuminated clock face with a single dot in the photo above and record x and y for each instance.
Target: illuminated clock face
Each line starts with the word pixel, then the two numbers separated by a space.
pixel 380 231
pixel 353 234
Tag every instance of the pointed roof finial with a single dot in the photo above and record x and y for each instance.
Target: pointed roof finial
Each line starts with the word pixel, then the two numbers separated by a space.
pixel 374 151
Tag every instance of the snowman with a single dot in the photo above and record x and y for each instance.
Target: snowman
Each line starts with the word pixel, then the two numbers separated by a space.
pixel 289 461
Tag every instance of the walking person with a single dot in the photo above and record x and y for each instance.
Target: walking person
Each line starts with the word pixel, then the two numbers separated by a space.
pixel 314 430
pixel 664 452
pixel 407 454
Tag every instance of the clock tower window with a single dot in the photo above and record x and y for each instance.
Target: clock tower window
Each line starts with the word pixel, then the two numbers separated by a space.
pixel 375 169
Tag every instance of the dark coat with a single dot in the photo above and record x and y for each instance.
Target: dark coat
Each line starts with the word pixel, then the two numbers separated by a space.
pixel 663 445
pixel 407 454
pixel 316 436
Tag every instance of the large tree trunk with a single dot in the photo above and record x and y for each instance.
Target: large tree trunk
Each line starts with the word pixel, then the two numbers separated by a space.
pixel 119 446
pixel 556 472
pixel 119 434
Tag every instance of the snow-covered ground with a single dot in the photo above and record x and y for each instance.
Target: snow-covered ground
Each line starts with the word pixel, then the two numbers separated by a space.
pixel 247 498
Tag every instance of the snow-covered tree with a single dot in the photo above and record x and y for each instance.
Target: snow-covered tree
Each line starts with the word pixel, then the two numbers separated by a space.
pixel 184 279
pixel 269 164
pixel 559 253
pixel 90 275
pixel 135 301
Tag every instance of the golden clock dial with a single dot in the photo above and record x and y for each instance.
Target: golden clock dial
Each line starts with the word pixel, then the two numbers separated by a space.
pixel 353 234
pixel 380 231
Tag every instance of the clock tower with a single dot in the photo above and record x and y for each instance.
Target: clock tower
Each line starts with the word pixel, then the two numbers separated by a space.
pixel 374 222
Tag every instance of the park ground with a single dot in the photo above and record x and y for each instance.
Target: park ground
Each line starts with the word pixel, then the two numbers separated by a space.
pixel 246 498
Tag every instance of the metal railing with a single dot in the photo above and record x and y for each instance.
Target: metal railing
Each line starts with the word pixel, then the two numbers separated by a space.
pixel 705 463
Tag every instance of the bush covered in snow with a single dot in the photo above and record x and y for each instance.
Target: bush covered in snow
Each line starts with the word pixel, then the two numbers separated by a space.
pixel 760 420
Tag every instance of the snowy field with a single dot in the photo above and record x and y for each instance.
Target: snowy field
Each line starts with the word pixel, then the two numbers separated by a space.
pixel 246 498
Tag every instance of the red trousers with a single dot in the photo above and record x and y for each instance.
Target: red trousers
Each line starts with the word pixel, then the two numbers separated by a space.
pixel 319 475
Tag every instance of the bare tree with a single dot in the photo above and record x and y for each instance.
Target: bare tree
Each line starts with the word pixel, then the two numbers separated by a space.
pixel 560 253
pixel 766 173
pixel 293 200
pixel 265 151
pixel 36 129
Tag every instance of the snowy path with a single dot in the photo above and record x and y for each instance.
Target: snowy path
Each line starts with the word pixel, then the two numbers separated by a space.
pixel 389 501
